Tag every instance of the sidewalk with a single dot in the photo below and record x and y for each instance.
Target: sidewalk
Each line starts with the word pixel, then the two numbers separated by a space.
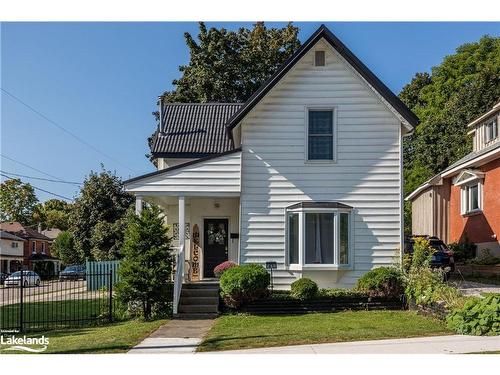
pixel 421 345
pixel 177 336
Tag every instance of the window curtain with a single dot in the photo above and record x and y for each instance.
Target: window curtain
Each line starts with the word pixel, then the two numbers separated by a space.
pixel 319 238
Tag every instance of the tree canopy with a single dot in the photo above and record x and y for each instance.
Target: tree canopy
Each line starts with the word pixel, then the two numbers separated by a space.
pixel 53 213
pixel 101 205
pixel 17 201
pixel 229 66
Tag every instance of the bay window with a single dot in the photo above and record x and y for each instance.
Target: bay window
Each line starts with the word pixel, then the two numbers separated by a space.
pixel 319 235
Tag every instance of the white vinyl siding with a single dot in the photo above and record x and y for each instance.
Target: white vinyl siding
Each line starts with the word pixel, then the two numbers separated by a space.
pixel 214 177
pixel 486 132
pixel 366 174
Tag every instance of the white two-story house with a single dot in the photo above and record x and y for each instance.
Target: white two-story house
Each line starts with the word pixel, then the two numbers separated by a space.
pixel 307 173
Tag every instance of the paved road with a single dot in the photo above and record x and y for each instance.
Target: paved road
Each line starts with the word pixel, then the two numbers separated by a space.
pixel 454 344
pixel 47 291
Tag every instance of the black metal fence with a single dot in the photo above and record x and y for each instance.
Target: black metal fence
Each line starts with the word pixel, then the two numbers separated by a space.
pixel 28 303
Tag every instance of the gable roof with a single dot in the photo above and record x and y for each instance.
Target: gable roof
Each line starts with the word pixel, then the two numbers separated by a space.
pixel 22 231
pixel 362 69
pixel 9 236
pixel 193 130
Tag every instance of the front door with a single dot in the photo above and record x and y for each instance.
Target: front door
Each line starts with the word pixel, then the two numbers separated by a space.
pixel 215 244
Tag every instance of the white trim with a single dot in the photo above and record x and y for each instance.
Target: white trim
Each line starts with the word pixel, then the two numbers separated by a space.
pixel 471 162
pixel 333 109
pixel 465 198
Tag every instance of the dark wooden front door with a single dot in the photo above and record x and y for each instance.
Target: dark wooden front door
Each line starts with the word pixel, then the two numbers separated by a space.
pixel 215 241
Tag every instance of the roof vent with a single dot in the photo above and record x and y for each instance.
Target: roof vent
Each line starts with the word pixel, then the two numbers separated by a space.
pixel 319 58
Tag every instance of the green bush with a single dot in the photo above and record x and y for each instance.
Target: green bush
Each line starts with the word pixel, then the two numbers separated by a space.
pixel 485 259
pixel 422 253
pixel 341 293
pixel 382 282
pixel 463 251
pixel 425 286
pixel 479 316
pixel 304 288
pixel 242 284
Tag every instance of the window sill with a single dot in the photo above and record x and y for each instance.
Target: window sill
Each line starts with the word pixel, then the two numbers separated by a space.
pixel 472 213
pixel 319 161
pixel 318 267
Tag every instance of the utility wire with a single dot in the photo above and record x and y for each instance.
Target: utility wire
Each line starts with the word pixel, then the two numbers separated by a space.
pixel 42 179
pixel 60 127
pixel 45 191
pixel 29 166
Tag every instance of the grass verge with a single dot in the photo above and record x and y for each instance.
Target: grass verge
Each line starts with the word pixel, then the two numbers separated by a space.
pixel 249 331
pixel 113 338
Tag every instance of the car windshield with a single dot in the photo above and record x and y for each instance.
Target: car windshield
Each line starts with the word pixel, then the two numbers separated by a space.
pixel 18 273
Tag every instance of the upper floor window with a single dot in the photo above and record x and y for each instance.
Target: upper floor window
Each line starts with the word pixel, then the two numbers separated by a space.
pixel 14 244
pixel 33 247
pixel 43 247
pixel 320 135
pixel 490 130
pixel 319 236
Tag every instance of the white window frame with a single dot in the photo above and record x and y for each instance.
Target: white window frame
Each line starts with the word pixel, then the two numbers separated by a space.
pixel 301 265
pixel 466 195
pixel 493 123
pixel 33 247
pixel 43 247
pixel 333 109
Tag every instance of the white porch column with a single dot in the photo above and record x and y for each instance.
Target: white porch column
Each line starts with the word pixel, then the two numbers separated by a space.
pixel 138 204
pixel 182 233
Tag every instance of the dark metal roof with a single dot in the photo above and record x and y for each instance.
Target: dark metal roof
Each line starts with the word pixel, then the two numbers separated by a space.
pixel 310 204
pixel 180 166
pixel 193 130
pixel 362 69
pixel 10 236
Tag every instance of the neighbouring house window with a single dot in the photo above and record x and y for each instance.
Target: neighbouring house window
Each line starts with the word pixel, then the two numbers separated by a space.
pixel 319 58
pixel 471 200
pixel 33 247
pixel 320 137
pixel 15 244
pixel 319 237
pixel 491 131
pixel 43 247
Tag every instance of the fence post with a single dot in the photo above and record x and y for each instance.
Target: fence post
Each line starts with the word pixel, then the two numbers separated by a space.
pixel 110 295
pixel 21 302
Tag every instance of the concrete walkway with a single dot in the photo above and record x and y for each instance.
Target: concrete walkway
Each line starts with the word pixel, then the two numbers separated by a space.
pixel 177 336
pixel 422 345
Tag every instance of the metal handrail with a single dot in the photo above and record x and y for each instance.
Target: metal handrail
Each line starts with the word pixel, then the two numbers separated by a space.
pixel 179 278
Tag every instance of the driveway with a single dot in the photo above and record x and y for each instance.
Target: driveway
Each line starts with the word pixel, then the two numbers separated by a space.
pixel 470 288
pixel 453 344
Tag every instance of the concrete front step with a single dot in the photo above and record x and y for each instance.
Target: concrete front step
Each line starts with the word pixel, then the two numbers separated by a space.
pixel 197 300
pixel 198 308
pixel 196 316
pixel 213 286
pixel 199 293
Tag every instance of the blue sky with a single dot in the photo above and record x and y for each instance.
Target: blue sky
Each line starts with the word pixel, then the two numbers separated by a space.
pixel 100 81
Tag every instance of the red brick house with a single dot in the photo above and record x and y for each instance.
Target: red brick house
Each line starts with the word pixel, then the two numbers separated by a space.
pixel 463 201
pixel 36 245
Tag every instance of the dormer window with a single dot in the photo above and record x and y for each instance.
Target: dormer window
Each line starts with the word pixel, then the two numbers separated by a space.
pixel 490 131
pixel 319 58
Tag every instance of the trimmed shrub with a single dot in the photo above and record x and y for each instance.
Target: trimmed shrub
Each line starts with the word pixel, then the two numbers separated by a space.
pixel 242 284
pixel 485 259
pixel 463 251
pixel 304 288
pixel 382 282
pixel 479 316
pixel 341 293
pixel 221 268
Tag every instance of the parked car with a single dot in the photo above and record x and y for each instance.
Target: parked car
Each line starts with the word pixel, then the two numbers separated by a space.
pixel 3 276
pixel 74 272
pixel 442 257
pixel 29 278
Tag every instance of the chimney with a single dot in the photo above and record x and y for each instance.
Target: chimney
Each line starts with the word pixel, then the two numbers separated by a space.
pixel 39 227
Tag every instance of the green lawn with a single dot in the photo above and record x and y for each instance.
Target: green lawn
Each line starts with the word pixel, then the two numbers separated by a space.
pixel 250 331
pixel 113 338
pixel 54 314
